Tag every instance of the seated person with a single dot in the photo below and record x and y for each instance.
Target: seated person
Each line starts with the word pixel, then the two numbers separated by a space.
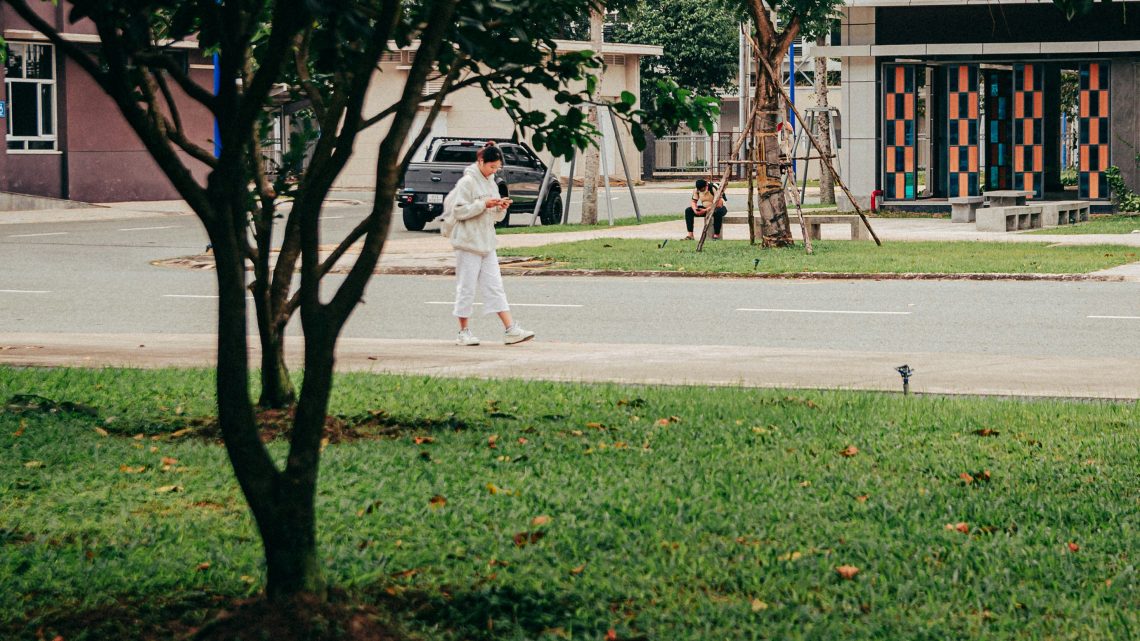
pixel 702 203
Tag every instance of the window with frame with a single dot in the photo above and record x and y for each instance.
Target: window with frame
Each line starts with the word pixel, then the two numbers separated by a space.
pixel 30 87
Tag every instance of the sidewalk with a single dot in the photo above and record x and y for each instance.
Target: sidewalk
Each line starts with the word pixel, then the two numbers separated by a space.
pixel 956 373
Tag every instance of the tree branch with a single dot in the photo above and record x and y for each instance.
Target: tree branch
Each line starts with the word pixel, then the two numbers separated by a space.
pixel 302 43
pixel 425 130
pixel 191 88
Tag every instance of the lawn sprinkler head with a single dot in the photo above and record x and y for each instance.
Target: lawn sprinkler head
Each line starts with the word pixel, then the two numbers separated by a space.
pixel 662 245
pixel 755 264
pixel 905 371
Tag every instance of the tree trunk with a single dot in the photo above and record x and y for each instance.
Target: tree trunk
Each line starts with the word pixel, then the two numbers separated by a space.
pixel 826 180
pixel 773 207
pixel 591 160
pixel 277 390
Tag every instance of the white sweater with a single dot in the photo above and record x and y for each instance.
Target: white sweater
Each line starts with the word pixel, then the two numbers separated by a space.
pixel 467 222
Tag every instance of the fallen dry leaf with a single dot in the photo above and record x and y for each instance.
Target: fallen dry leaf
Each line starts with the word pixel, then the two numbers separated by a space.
pixel 576 432
pixel 202 567
pixel 523 538
pixel 663 422
pixel 966 477
pixel 1073 547
pixel 132 469
pixel 862 498
pixel 492 441
pixel 986 432
pixel 168 460
pixel 805 484
pixel 101 432
pixel 790 556
pixel 847 571
pixel 539 521
pixel 420 440
pixel 32 465
pixel 168 489
pixel 181 433
pixel 595 426
pixel 578 570
pixel 492 489
pixel 849 451
pixel 437 501
pixel 611 635
pixel 964 528
pixel 758 605
pixel 522 440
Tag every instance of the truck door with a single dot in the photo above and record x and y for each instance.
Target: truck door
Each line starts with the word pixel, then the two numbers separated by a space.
pixel 523 174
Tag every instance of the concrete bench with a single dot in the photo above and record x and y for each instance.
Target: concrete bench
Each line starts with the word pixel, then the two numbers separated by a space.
pixel 813 222
pixel 963 209
pixel 1065 212
pixel 1006 197
pixel 1009 218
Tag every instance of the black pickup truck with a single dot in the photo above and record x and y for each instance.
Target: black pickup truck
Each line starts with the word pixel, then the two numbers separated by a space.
pixel 426 183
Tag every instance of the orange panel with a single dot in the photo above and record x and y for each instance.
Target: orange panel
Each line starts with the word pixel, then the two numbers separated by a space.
pixel 963 132
pixel 1019 105
pixel 1029 183
pixel 1028 86
pixel 908 106
pixel 1084 164
pixel 1018 159
pixel 1094 185
pixel 973 100
pixel 900 78
pixel 1027 131
pixel 1094 130
pixel 963 77
pixel 891 160
pixel 963 184
pixel 954 159
pixel 900 132
pixel 1038 105
pixel 908 159
pixel 1038 158
pixel 973 159
pixel 1094 77
pixel 900 185
pixel 1104 104
pixel 891 107
pixel 954 106
pixel 1103 156
pixel 1084 104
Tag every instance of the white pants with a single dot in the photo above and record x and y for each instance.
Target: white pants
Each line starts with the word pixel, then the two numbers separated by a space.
pixel 471 270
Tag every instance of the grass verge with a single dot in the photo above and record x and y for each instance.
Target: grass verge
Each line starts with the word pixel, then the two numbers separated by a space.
pixel 1097 224
pixel 530 510
pixel 732 256
pixel 618 222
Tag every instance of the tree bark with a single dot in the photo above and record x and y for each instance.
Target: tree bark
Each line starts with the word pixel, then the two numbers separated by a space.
pixel 591 160
pixel 773 206
pixel 826 180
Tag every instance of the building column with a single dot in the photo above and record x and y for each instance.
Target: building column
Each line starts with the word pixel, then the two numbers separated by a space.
pixel 859 156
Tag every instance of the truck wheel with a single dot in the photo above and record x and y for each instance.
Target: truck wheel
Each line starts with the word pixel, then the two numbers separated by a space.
pixel 412 219
pixel 551 212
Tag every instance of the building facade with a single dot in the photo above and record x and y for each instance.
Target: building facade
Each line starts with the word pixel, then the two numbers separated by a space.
pixel 952 99
pixel 64 138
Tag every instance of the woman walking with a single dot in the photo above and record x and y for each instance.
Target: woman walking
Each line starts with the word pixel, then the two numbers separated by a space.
pixel 472 209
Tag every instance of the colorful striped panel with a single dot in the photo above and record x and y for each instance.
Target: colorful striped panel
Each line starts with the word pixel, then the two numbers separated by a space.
pixel 999 151
pixel 1092 183
pixel 1028 129
pixel 962 130
pixel 899 124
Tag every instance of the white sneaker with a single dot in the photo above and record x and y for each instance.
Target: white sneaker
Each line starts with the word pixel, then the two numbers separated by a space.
pixel 465 338
pixel 516 334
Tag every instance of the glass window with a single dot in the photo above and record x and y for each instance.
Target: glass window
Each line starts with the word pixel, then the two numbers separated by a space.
pixel 456 153
pixel 30 86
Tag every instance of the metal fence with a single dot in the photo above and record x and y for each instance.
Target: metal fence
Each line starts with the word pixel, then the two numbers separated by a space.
pixel 692 154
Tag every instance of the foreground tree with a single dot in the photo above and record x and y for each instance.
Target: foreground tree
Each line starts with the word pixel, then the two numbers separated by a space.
pixel 332 50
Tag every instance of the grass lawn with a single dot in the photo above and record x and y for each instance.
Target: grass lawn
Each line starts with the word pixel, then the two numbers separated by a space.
pixel 1098 224
pixel 604 224
pixel 732 256
pixel 525 510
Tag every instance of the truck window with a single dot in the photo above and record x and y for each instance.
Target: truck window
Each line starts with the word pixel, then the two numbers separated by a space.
pixel 456 153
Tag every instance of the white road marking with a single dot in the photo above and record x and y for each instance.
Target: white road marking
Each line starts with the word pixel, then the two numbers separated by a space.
pixel 54 233
pixel 24 291
pixel 1116 317
pixel 821 311
pixel 150 228
pixel 449 302
pixel 197 296
pixel 331 217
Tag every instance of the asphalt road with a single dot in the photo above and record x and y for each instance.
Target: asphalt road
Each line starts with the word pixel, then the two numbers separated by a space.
pixel 96 277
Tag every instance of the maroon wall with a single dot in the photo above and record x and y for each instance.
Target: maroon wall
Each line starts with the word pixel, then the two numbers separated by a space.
pixel 100 159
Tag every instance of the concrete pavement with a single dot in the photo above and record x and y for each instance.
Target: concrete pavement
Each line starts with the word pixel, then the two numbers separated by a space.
pixel 974 374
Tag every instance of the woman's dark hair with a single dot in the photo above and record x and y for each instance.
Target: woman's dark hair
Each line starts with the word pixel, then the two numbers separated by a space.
pixel 489 153
pixel 702 183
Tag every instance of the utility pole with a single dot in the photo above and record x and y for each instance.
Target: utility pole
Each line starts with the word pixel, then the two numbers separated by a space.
pixel 590 157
